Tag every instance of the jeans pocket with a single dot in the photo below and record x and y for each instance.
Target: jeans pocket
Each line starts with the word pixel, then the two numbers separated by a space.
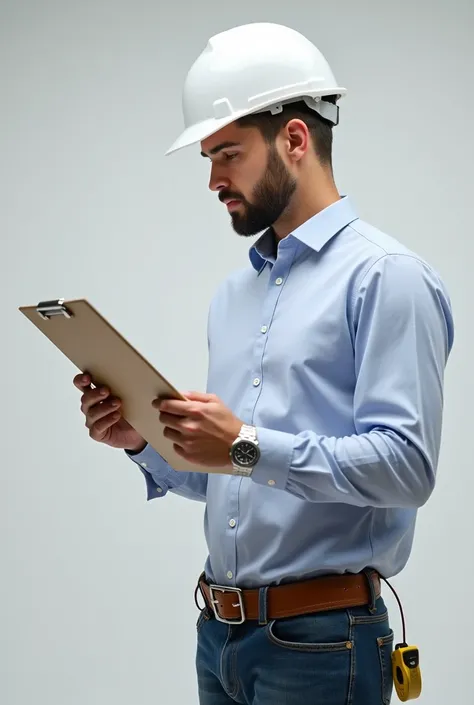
pixel 310 634
pixel 312 656
pixel 385 649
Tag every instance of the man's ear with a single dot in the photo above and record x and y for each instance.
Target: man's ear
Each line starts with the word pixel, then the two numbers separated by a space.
pixel 297 139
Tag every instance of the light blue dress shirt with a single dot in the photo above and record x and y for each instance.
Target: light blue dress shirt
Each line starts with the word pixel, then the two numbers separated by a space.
pixel 334 347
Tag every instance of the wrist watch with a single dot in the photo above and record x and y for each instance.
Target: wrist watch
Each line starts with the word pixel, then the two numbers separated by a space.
pixel 244 451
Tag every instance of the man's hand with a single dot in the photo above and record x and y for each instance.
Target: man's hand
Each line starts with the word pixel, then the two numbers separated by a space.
pixel 202 428
pixel 103 417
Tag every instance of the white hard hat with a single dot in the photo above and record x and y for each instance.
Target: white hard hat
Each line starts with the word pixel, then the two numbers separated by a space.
pixel 250 69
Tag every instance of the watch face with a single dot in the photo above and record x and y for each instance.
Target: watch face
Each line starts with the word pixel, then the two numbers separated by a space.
pixel 245 454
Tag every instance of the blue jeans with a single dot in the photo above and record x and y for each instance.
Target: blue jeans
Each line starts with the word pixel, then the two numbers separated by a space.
pixel 329 658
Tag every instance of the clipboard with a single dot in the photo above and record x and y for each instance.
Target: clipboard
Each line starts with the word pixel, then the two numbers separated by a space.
pixel 94 346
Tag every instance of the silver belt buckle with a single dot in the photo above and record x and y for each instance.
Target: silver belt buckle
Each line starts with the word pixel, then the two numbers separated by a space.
pixel 224 588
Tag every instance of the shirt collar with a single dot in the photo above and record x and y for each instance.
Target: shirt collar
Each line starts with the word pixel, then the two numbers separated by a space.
pixel 314 233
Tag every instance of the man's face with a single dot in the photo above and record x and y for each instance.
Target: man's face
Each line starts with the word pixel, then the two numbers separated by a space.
pixel 250 177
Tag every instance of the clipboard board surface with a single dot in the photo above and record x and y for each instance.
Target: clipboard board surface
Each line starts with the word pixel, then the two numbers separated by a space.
pixel 94 346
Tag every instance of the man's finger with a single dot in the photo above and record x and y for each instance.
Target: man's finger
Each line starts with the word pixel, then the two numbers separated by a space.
pixel 190 458
pixel 82 381
pixel 100 428
pixel 184 408
pixel 172 435
pixel 91 397
pixel 180 451
pixel 183 424
pixel 171 420
pixel 199 396
pixel 173 406
pixel 99 411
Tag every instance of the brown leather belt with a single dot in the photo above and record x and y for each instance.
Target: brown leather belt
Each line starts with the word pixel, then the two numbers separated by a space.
pixel 232 605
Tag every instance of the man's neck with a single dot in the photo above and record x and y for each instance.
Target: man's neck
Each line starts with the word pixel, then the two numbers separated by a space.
pixel 305 204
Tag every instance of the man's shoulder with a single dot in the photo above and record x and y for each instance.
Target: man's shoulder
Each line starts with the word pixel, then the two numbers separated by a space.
pixel 376 252
pixel 374 243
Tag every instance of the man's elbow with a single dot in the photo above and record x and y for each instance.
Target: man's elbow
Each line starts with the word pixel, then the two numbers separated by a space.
pixel 420 480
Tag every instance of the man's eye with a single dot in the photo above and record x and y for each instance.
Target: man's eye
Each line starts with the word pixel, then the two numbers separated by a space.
pixel 229 157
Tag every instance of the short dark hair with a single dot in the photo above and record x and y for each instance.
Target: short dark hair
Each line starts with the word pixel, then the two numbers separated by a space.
pixel 319 128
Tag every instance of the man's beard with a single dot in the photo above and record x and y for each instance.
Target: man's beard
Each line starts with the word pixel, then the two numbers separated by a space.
pixel 270 198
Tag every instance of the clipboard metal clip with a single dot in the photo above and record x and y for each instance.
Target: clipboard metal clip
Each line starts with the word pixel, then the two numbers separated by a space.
pixel 48 309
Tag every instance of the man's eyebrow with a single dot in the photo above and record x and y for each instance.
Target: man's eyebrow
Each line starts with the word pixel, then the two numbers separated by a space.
pixel 220 147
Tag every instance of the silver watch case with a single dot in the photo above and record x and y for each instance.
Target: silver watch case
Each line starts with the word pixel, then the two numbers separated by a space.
pixel 244 441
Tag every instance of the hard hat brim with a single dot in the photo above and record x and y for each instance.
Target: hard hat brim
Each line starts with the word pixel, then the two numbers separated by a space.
pixel 199 132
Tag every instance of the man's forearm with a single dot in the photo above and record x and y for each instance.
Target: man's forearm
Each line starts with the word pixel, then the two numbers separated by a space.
pixel 376 469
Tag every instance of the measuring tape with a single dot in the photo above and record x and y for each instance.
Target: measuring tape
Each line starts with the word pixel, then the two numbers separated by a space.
pixel 405 663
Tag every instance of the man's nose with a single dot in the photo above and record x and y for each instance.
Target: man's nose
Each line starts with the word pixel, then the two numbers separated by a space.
pixel 217 180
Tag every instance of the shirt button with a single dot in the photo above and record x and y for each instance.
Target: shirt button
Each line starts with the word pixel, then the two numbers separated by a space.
pixel 232 523
pixel 230 574
pixel 158 489
pixel 271 482
pixel 256 382
pixel 263 329
pixel 144 465
pixel 278 281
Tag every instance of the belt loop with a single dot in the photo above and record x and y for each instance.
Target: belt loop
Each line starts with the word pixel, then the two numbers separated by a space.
pixel 262 606
pixel 369 574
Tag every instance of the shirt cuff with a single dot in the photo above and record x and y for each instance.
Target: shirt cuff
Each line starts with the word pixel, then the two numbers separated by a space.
pixel 276 453
pixel 143 457
pixel 155 470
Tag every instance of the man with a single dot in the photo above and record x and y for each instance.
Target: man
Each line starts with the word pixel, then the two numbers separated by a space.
pixel 320 430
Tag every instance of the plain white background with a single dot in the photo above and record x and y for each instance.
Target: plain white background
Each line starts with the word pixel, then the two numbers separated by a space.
pixel 96 584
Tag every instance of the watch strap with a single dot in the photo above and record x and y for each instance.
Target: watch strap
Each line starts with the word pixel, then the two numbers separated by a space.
pixel 247 433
